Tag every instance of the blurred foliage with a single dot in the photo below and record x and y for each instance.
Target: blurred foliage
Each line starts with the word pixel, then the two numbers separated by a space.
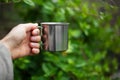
pixel 9 1
pixel 94 41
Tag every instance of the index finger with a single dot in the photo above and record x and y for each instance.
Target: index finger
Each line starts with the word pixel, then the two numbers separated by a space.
pixel 31 26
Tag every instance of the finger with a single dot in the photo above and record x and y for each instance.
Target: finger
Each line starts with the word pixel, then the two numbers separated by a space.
pixel 45 46
pixel 44 38
pixel 36 32
pixel 35 51
pixel 35 38
pixel 45 30
pixel 34 45
pixel 31 26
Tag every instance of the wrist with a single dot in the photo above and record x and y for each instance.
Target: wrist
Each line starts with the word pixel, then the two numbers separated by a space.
pixel 6 43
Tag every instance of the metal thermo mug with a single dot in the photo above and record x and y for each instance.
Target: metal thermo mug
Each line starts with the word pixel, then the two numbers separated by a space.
pixel 54 36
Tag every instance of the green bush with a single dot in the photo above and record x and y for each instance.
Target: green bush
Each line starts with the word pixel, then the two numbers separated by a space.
pixel 93 41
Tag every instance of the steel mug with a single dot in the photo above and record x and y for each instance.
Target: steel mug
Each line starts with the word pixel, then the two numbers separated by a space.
pixel 54 36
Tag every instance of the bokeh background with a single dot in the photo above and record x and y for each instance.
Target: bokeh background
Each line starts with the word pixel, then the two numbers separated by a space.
pixel 94 38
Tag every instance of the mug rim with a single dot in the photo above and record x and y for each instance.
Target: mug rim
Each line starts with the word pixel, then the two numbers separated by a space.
pixel 63 23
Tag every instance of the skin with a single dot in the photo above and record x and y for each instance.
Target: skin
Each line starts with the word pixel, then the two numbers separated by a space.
pixel 23 40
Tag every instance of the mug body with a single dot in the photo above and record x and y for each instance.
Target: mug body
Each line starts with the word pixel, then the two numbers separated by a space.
pixel 55 36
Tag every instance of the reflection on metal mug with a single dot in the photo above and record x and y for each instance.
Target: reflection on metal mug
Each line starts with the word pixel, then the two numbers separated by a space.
pixel 54 36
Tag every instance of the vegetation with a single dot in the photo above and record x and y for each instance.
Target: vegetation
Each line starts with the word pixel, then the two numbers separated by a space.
pixel 94 41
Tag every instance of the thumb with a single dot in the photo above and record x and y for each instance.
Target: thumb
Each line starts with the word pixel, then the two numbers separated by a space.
pixel 31 26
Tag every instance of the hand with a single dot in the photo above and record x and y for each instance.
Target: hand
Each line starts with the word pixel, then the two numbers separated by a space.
pixel 23 40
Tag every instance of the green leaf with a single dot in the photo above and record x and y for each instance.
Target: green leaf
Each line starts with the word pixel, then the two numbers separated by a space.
pixel 6 1
pixel 48 69
pixel 15 1
pixel 29 2
pixel 39 2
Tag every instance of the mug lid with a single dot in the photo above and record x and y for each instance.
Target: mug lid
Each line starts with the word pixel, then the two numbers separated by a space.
pixel 63 23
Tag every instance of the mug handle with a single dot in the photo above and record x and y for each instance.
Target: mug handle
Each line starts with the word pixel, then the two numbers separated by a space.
pixel 41 43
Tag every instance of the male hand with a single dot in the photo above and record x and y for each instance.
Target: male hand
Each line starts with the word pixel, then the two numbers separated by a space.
pixel 23 40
